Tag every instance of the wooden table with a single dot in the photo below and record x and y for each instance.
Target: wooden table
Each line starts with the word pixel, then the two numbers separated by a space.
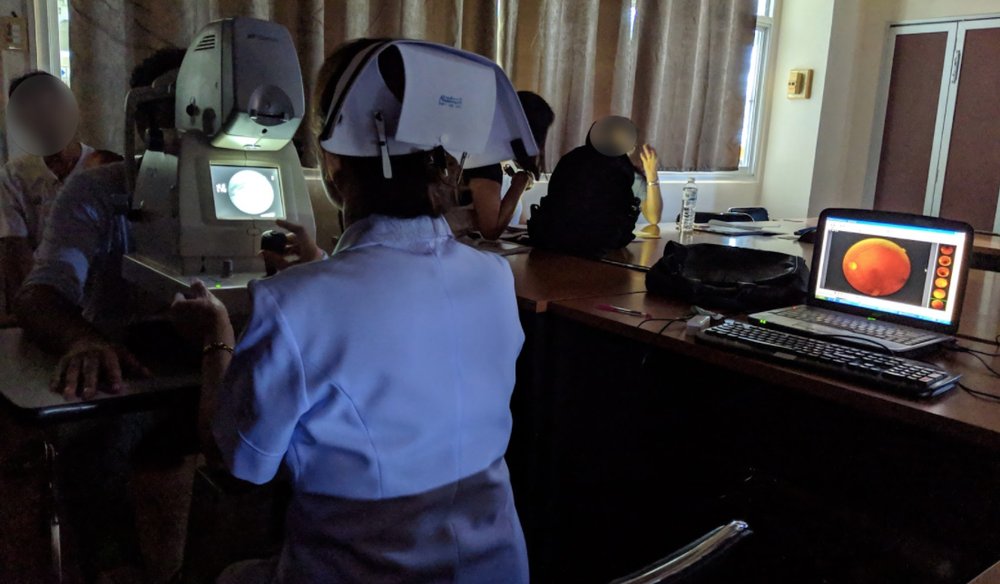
pixel 981 309
pixel 643 253
pixel 990 576
pixel 26 371
pixel 957 413
pixel 541 277
pixel 987 244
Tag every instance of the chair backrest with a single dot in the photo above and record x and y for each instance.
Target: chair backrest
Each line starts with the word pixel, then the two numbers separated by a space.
pixel 683 561
pixel 758 213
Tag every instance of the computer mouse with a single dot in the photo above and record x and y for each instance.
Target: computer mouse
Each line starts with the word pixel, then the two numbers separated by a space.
pixel 807 235
pixel 274 241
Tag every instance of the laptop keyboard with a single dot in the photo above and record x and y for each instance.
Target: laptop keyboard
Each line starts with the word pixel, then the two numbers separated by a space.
pixel 878 330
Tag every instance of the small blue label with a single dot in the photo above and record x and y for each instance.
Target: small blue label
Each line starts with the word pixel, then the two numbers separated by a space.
pixel 447 100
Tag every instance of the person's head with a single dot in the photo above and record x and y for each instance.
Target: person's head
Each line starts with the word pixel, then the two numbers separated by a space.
pixel 17 81
pixel 356 184
pixel 613 136
pixel 540 117
pixel 42 114
pixel 146 74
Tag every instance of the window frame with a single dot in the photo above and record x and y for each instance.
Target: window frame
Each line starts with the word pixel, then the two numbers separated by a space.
pixel 765 59
pixel 48 43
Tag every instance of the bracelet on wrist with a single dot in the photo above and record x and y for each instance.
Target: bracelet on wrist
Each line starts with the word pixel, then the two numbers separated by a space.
pixel 217 346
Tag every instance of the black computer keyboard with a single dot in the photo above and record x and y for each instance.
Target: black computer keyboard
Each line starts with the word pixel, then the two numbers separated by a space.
pixel 878 330
pixel 894 374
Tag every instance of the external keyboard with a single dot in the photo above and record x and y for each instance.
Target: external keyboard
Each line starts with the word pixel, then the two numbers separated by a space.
pixel 885 372
pixel 886 332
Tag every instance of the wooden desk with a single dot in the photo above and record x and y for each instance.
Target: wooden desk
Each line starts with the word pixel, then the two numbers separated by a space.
pixel 541 277
pixel 981 309
pixel 956 413
pixel 633 416
pixel 26 371
pixel 990 576
pixel 643 253
pixel 987 244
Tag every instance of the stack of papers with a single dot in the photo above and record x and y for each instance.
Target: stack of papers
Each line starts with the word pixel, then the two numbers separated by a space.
pixel 738 227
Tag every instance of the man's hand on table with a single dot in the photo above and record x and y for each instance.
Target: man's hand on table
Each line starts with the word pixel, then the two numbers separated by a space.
pixel 94 363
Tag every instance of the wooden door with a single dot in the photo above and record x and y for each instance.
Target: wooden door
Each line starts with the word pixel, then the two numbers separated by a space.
pixel 971 185
pixel 912 101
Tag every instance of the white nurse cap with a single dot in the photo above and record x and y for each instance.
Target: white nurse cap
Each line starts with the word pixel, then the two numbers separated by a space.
pixel 454 99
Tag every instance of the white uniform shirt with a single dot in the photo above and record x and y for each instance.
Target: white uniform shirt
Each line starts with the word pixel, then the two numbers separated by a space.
pixel 383 372
pixel 27 191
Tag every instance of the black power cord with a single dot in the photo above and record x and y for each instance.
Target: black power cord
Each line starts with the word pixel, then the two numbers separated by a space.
pixel 978 355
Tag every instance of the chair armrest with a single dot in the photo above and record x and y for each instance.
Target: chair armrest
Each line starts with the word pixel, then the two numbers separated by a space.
pixel 696 553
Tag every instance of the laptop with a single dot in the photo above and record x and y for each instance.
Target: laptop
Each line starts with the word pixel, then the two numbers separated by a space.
pixel 882 281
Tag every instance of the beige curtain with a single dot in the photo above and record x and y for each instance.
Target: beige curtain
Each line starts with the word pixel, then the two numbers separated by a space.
pixel 109 37
pixel 677 67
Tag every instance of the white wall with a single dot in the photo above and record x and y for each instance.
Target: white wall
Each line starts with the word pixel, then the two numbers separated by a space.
pixel 803 40
pixel 924 9
pixel 817 150
pixel 15 63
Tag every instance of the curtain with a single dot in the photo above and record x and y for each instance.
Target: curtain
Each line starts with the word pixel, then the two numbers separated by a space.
pixel 109 37
pixel 678 68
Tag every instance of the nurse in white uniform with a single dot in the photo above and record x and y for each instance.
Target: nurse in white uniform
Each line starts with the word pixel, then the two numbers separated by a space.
pixel 381 377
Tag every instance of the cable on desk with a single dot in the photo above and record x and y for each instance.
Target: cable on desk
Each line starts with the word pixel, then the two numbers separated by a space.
pixel 977 356
pixel 669 321
pixel 980 394
pixel 960 349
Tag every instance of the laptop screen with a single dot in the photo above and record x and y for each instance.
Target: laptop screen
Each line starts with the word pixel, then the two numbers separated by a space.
pixel 903 270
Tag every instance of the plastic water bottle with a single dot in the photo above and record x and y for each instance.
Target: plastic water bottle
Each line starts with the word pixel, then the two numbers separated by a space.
pixel 689 200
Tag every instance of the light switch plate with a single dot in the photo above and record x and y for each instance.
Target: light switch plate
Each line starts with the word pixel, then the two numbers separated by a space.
pixel 800 83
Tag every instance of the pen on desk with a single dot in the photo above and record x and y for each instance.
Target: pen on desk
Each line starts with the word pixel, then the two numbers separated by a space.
pixel 621 310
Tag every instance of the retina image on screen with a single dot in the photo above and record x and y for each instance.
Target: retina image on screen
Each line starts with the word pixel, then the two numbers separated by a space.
pixel 247 192
pixel 891 269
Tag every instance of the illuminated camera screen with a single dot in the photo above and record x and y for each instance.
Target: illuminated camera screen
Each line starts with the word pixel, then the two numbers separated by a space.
pixel 247 192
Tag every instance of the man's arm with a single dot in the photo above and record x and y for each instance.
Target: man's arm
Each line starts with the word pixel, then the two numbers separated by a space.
pixel 51 320
pixel 493 214
pixel 49 305
pixel 15 262
pixel 88 359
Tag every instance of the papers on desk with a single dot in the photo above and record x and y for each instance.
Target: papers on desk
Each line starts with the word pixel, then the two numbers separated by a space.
pixel 499 247
pixel 737 228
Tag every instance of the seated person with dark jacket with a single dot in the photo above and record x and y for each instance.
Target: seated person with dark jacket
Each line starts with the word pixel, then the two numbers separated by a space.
pixel 590 207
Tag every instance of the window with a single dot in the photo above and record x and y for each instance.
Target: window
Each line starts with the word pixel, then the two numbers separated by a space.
pixel 52 36
pixel 63 18
pixel 753 110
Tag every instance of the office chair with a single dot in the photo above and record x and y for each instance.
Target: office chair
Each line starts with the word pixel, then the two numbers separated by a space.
pixel 758 213
pixel 683 562
pixel 705 217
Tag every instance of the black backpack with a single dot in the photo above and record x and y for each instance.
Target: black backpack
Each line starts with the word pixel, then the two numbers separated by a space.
pixel 590 208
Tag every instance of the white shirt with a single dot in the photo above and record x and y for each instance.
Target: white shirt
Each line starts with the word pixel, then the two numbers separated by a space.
pixel 383 372
pixel 28 189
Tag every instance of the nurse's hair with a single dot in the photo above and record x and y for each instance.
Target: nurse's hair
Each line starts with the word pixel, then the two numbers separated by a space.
pixel 418 186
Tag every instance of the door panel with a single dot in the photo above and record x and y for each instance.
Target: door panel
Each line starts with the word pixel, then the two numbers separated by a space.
pixel 911 116
pixel 972 179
